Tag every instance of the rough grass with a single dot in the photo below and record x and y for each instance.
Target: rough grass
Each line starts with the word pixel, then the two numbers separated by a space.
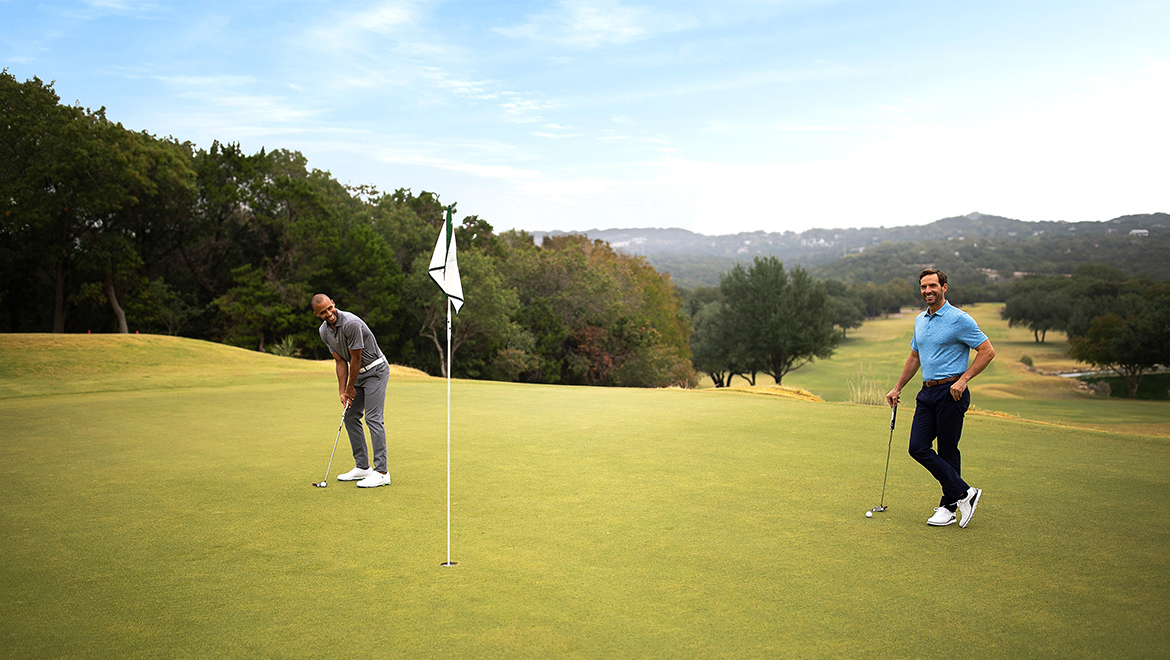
pixel 179 522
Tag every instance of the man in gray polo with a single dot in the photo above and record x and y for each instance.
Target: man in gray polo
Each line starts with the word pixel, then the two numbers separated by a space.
pixel 362 377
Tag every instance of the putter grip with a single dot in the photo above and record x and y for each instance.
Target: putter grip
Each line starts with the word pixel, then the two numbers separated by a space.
pixel 893 416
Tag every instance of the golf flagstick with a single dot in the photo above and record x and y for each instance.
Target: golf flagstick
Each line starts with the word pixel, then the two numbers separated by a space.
pixel 449 362
pixel 444 269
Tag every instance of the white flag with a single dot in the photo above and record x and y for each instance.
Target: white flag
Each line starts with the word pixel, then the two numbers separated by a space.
pixel 445 267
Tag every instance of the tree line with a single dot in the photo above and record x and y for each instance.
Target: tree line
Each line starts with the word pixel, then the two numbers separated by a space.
pixel 1114 320
pixel 105 229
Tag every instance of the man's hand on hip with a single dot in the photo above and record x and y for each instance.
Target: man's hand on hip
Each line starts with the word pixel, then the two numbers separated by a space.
pixel 957 389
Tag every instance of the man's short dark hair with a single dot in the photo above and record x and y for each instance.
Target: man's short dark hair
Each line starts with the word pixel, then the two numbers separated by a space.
pixel 942 277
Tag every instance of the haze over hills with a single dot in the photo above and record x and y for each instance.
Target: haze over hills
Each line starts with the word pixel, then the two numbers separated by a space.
pixel 697 259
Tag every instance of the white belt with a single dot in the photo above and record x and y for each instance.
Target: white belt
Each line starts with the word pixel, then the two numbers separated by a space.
pixel 380 360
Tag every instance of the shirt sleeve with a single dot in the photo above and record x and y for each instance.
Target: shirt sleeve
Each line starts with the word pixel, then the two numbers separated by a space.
pixel 969 332
pixel 353 338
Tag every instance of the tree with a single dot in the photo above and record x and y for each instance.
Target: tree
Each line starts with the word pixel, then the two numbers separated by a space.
pixel 1039 304
pixel 710 348
pixel 1129 345
pixel 597 317
pixel 258 307
pixel 776 321
pixel 485 321
pixel 68 172
pixel 848 309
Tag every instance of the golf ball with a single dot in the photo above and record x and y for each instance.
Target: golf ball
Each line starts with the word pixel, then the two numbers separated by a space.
pixel 869 514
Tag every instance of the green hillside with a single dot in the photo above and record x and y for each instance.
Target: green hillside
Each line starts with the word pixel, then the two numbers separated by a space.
pixel 36 365
pixel 177 520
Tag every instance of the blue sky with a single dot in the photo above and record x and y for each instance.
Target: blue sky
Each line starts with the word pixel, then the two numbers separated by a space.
pixel 716 117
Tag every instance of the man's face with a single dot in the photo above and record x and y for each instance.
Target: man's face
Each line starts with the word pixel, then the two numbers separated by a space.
pixel 932 291
pixel 326 311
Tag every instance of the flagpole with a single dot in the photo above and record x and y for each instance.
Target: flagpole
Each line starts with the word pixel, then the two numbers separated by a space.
pixel 449 363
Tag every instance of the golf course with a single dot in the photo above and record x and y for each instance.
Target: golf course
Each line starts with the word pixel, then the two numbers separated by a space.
pixel 158 505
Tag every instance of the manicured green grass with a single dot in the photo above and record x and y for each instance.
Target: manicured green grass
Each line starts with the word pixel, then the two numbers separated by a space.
pixel 591 523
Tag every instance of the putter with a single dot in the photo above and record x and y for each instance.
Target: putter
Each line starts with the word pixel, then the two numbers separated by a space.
pixel 325 481
pixel 882 507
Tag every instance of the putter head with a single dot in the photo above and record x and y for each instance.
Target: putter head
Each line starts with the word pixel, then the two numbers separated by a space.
pixel 879 509
pixel 321 484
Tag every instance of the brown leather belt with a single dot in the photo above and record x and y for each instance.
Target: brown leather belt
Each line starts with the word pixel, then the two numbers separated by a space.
pixel 932 383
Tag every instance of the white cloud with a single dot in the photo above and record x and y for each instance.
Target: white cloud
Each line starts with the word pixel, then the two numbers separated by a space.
pixel 223 107
pixel 1090 156
pixel 352 29
pixel 479 89
pixel 524 111
pixel 424 156
pixel 723 127
pixel 583 25
pixel 554 136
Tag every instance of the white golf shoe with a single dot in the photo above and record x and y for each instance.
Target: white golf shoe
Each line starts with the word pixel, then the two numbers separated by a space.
pixel 967 505
pixel 356 474
pixel 942 517
pixel 374 480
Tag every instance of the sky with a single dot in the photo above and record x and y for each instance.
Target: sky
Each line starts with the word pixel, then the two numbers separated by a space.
pixel 717 117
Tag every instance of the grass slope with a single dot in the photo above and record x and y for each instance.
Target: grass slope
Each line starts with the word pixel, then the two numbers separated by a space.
pixel 590 523
pixel 35 365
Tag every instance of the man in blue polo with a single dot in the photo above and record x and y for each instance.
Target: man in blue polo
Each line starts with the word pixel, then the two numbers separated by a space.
pixel 943 338
pixel 362 377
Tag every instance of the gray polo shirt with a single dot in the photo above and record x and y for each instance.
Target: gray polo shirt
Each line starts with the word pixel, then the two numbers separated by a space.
pixel 350 333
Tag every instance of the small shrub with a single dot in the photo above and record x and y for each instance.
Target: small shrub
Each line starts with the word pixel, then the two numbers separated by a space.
pixel 1026 359
pixel 286 347
pixel 866 390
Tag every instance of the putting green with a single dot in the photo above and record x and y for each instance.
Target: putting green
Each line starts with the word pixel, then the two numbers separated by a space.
pixel 600 523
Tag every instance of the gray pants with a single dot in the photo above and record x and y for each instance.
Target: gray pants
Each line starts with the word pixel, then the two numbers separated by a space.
pixel 370 400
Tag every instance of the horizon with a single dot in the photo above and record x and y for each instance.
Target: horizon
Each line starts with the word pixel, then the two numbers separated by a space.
pixel 858 228
pixel 716 119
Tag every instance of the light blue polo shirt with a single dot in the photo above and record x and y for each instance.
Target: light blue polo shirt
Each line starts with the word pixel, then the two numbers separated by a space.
pixel 943 341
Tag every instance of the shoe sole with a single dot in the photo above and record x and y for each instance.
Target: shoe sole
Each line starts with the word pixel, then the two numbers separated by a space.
pixel 384 483
pixel 949 522
pixel 344 478
pixel 974 503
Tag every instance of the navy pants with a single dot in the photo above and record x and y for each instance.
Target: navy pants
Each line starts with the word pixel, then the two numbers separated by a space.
pixel 939 416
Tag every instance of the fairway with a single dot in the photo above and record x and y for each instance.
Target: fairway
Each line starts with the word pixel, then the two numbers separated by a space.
pixel 877 351
pixel 168 521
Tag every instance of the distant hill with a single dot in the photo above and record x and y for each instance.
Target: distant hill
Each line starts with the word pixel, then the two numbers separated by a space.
pixel 1131 241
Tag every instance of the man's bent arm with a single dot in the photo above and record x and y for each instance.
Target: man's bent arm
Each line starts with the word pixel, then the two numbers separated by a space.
pixel 342 369
pixel 355 365
pixel 984 354
pixel 908 371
